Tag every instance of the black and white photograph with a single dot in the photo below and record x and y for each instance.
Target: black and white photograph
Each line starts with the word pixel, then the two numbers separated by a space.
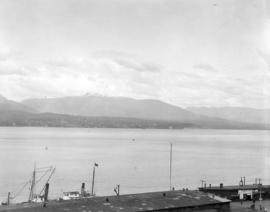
pixel 134 105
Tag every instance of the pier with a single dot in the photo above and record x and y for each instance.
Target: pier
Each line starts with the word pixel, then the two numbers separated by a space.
pixel 234 192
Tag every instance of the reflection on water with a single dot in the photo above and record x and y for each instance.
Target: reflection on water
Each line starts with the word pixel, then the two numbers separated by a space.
pixel 136 159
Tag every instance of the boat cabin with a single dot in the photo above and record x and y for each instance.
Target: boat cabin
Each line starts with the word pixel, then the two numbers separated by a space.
pixel 71 195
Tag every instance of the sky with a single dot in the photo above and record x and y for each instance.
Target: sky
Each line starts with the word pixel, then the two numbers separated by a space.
pixel 210 53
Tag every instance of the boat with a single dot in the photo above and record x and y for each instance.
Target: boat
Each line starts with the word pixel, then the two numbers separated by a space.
pixel 34 196
pixel 70 195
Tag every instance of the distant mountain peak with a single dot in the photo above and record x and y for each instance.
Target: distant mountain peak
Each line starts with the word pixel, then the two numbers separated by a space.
pixel 2 98
pixel 94 94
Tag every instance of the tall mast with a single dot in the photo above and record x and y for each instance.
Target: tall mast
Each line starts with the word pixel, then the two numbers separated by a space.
pixel 8 199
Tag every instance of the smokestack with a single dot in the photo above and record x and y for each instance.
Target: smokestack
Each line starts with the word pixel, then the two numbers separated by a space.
pixel 221 185
pixel 83 189
pixel 46 192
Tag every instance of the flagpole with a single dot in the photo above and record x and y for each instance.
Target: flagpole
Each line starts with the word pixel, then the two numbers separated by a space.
pixel 171 166
pixel 93 179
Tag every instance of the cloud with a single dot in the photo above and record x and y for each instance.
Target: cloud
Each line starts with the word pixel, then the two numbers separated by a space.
pixel 265 57
pixel 205 67
pixel 57 77
pixel 129 61
pixel 113 54
pixel 11 67
pixel 120 74
pixel 10 63
pixel 139 66
pixel 190 75
pixel 59 62
pixel 3 57
pixel 5 53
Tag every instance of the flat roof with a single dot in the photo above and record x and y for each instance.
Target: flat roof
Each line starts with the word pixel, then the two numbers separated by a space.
pixel 136 202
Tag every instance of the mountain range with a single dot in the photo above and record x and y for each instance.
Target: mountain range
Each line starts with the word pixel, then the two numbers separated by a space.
pixel 242 114
pixel 9 105
pixel 100 111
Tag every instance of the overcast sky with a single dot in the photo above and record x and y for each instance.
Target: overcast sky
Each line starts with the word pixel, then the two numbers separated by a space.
pixel 185 52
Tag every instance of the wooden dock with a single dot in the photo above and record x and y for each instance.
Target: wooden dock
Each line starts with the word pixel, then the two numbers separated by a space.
pixel 232 192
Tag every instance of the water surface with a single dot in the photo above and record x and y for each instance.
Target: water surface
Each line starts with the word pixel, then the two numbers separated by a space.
pixel 137 159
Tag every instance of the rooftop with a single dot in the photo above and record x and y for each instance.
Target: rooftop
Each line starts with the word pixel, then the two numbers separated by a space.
pixel 131 202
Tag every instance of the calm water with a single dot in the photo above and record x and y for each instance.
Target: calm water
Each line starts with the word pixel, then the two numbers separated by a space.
pixel 138 166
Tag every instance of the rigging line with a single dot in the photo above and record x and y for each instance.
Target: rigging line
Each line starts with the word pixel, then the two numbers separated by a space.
pixel 43 170
pixel 15 195
pixel 47 181
pixel 19 186
pixel 45 167
pixel 23 183
pixel 46 172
